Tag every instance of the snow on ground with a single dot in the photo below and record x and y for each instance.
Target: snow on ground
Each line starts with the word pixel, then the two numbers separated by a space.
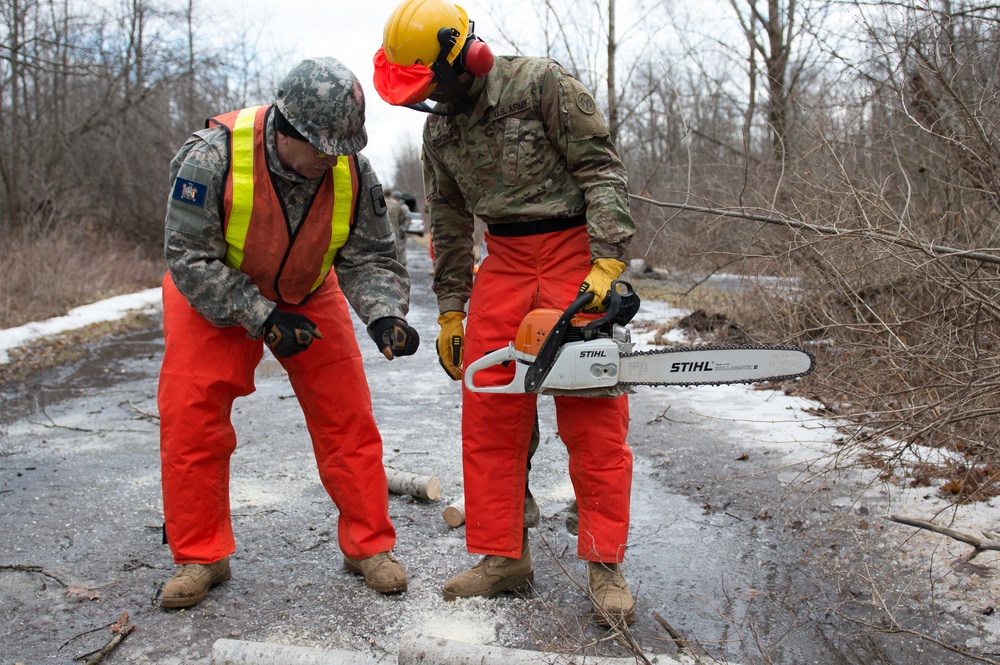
pixel 772 420
pixel 104 310
pixel 766 419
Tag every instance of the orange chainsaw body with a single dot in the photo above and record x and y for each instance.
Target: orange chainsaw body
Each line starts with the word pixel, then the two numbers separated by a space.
pixel 535 327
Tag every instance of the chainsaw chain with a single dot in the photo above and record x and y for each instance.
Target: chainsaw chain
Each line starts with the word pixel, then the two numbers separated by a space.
pixel 735 347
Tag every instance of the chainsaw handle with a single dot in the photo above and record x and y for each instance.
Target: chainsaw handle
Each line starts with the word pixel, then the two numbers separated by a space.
pixel 624 305
pixel 492 359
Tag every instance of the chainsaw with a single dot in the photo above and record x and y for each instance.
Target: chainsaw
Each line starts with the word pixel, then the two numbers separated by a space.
pixel 565 353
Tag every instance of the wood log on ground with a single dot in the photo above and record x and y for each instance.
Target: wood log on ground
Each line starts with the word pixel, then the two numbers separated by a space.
pixel 454 514
pixel 238 652
pixel 425 650
pixel 414 484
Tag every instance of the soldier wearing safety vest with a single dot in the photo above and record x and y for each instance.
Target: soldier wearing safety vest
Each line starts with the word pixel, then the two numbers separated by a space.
pixel 275 222
pixel 521 144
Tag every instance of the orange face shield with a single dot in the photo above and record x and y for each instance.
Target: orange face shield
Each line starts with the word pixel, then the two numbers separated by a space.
pixel 399 85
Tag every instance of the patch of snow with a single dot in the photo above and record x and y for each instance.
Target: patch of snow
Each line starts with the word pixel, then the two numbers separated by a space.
pixel 110 309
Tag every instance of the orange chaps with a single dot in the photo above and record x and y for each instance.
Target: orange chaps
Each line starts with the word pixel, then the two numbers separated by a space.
pixel 520 274
pixel 206 368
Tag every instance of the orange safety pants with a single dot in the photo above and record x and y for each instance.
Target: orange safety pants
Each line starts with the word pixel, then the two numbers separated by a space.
pixel 518 275
pixel 205 368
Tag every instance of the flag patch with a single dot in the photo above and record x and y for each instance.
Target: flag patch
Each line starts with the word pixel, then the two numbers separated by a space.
pixel 190 192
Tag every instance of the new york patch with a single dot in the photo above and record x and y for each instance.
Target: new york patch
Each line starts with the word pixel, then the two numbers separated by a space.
pixel 378 200
pixel 190 192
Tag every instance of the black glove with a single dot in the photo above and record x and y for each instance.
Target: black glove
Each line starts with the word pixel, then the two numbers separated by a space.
pixel 286 333
pixel 394 337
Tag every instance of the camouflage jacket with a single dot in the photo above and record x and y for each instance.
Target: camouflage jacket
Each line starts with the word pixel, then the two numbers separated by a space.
pixel 534 146
pixel 375 284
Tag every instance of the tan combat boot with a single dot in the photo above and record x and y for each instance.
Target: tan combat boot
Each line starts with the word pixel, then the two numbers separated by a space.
pixel 492 575
pixel 610 594
pixel 191 583
pixel 381 572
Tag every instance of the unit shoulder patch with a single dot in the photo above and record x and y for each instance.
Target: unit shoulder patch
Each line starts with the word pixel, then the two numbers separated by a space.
pixel 189 191
pixel 586 103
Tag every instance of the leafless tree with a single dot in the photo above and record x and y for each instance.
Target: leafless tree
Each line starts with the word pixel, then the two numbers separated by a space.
pixel 93 107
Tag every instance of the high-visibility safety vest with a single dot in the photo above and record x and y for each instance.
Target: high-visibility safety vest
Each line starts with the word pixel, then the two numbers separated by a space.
pixel 284 265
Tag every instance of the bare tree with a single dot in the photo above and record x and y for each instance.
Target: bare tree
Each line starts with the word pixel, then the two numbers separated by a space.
pixel 94 106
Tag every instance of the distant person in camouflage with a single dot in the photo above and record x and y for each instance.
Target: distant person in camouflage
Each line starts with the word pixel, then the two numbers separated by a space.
pixel 520 143
pixel 275 222
pixel 399 217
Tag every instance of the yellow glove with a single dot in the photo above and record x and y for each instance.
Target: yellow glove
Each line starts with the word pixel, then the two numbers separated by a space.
pixel 451 342
pixel 598 282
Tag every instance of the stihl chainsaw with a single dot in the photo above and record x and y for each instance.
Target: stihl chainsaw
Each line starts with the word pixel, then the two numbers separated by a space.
pixel 563 353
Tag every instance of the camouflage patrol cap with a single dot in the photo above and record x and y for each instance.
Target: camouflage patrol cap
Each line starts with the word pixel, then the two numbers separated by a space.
pixel 324 102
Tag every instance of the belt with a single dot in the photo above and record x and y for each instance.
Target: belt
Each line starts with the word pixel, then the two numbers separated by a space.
pixel 537 227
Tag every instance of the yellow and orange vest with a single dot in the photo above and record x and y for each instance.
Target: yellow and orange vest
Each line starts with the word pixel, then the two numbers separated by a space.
pixel 257 233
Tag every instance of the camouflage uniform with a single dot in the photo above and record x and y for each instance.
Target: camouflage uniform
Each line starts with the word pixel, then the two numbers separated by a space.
pixel 399 217
pixel 373 280
pixel 533 159
pixel 534 146
pixel 213 320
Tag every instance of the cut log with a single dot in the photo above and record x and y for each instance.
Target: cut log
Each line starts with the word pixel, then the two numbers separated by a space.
pixel 454 514
pixel 425 650
pixel 237 652
pixel 414 484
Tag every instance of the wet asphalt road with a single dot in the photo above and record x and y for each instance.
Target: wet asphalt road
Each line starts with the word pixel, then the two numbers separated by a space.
pixel 731 544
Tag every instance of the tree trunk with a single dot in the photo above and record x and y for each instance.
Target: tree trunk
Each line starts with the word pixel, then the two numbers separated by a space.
pixel 612 95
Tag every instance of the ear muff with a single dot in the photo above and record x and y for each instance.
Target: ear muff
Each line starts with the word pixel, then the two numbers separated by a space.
pixel 477 58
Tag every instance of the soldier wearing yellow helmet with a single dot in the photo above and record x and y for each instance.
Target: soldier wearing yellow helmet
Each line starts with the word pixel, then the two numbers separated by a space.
pixel 521 144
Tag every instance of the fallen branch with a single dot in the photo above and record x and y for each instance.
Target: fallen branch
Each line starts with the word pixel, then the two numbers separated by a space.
pixel 682 644
pixel 414 484
pixel 32 569
pixel 896 630
pixel 929 248
pixel 989 542
pixel 119 631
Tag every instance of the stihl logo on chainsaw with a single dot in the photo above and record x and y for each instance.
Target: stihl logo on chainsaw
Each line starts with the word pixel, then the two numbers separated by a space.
pixel 705 366
pixel 709 366
pixel 593 354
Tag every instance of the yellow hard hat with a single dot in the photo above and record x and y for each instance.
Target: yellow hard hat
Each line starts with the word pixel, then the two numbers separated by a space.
pixel 426 43
pixel 411 32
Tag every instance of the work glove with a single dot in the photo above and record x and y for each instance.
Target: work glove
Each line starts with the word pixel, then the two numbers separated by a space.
pixel 598 282
pixel 286 333
pixel 394 337
pixel 451 343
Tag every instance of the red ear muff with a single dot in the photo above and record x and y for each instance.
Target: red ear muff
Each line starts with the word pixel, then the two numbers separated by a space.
pixel 477 58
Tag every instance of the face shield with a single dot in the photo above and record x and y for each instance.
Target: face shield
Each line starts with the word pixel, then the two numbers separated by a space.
pixel 402 85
